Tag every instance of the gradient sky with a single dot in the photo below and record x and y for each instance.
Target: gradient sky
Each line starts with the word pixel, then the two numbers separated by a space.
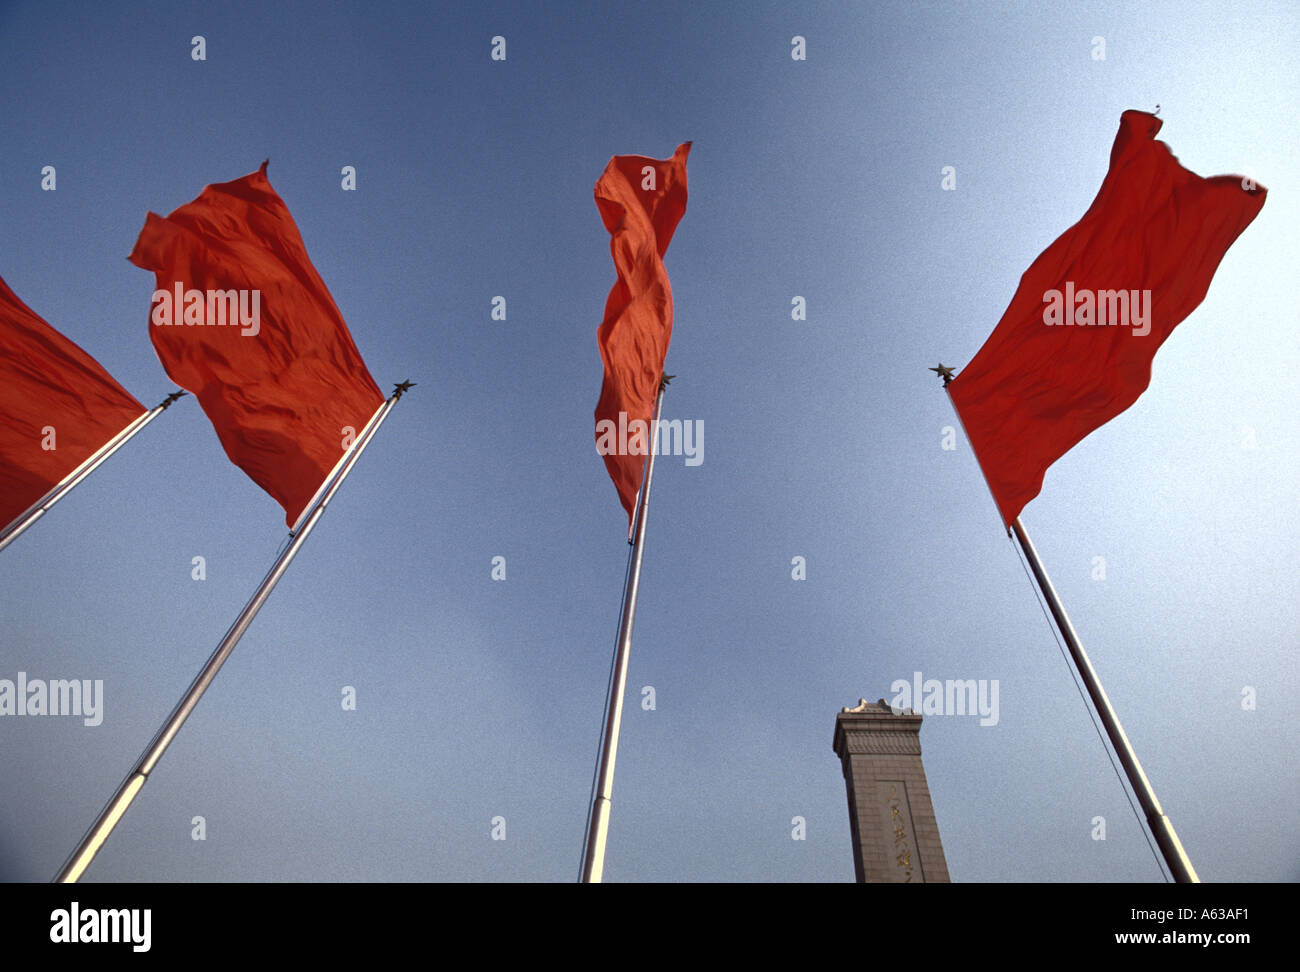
pixel 820 179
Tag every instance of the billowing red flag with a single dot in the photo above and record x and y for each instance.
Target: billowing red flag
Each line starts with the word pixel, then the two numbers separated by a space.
pixel 641 200
pixel 1074 348
pixel 242 319
pixel 58 406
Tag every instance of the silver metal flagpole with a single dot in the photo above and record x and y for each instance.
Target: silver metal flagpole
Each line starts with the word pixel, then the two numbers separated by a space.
pixel 328 481
pixel 1167 839
pixel 593 866
pixel 92 462
pixel 130 788
pixel 1170 846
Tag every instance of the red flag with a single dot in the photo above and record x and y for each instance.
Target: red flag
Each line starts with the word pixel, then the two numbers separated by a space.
pixel 1074 348
pixel 242 319
pixel 641 200
pixel 48 383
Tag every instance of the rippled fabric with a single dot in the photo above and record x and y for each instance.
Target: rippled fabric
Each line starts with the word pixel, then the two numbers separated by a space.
pixel 48 383
pixel 286 396
pixel 640 215
pixel 1035 389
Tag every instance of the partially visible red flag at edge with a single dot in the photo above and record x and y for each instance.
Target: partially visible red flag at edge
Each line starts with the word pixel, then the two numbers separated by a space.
pixel 1156 232
pixel 283 390
pixel 51 394
pixel 641 216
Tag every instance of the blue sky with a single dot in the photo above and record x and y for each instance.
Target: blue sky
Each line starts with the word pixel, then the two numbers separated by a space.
pixel 479 698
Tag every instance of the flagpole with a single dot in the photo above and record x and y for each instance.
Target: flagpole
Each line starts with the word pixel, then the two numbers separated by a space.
pixel 1180 866
pixel 1167 839
pixel 328 481
pixel 139 774
pixel 593 866
pixel 91 463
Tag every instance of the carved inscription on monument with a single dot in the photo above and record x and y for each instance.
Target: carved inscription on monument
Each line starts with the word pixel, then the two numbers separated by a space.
pixel 903 865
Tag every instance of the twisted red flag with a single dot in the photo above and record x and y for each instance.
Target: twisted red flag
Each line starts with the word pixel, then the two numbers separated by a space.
pixel 1074 348
pixel 48 383
pixel 641 200
pixel 242 319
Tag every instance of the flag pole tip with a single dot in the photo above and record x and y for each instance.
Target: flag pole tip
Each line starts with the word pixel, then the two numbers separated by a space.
pixel 401 388
pixel 179 393
pixel 665 381
pixel 943 372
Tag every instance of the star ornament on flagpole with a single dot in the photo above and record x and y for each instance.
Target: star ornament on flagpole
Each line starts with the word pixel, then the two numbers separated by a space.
pixel 944 373
pixel 402 388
